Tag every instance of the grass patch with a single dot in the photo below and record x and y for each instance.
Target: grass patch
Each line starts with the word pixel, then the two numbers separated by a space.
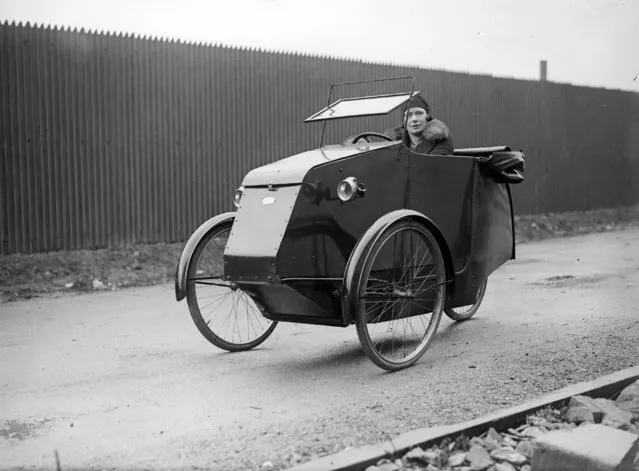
pixel 23 276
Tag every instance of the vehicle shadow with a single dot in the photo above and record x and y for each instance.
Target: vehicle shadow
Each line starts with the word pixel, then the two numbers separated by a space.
pixel 455 330
pixel 342 356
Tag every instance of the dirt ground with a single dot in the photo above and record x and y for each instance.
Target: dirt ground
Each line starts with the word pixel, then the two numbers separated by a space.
pixel 23 276
pixel 123 380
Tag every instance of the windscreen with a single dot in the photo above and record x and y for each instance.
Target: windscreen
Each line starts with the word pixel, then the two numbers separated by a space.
pixel 362 106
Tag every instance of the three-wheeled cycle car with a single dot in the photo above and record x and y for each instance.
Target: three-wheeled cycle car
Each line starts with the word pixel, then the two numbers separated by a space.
pixel 366 233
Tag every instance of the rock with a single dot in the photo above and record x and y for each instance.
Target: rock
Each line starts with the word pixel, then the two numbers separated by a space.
pixel 504 467
pixel 388 466
pixel 491 443
pixel 478 458
pixel 525 467
pixel 532 432
pixel 456 459
pixel 580 414
pixel 267 465
pixel 372 468
pixel 432 455
pixel 614 422
pixel 494 435
pixel 601 409
pixel 628 400
pixel 431 467
pixel 514 432
pixel 537 421
pixel 588 447
pixel 418 455
pixel 560 426
pixel 508 454
pixel 69 285
pixel 526 448
pixel 97 284
pixel 507 441
pixel 476 441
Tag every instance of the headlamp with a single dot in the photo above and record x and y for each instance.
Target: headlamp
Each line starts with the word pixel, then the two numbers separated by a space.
pixel 237 196
pixel 348 189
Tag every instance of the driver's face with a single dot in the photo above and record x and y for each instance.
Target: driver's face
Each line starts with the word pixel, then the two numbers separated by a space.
pixel 417 119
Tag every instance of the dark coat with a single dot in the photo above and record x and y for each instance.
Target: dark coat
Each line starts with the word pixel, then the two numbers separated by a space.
pixel 438 139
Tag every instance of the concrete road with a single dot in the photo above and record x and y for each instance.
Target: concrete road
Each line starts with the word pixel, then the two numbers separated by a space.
pixel 124 380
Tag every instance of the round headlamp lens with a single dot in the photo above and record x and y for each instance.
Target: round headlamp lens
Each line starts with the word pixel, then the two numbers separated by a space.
pixel 237 196
pixel 346 189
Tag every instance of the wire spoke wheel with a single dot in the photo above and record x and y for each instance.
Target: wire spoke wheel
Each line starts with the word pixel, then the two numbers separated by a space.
pixel 463 313
pixel 401 295
pixel 224 314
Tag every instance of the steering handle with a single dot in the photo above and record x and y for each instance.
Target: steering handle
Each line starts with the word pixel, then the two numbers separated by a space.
pixel 365 135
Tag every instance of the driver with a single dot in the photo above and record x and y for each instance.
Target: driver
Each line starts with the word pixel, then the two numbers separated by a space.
pixel 426 135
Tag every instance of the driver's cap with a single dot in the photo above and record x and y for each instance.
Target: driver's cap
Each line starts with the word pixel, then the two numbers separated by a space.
pixel 416 102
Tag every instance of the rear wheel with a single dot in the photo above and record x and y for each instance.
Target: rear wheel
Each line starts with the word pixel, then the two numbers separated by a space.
pixel 401 295
pixel 463 313
pixel 224 314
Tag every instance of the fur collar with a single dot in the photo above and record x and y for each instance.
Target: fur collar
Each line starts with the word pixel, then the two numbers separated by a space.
pixel 436 131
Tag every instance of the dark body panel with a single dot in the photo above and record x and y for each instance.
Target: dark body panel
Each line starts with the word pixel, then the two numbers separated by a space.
pixel 442 188
pixel 323 230
pixel 491 238
pixel 291 255
pixel 473 212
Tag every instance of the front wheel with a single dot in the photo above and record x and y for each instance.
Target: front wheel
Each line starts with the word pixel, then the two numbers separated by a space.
pixel 401 295
pixel 224 314
pixel 463 313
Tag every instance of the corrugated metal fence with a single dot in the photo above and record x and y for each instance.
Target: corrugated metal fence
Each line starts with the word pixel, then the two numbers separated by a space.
pixel 109 140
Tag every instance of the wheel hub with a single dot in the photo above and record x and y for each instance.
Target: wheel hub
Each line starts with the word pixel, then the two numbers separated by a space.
pixel 403 294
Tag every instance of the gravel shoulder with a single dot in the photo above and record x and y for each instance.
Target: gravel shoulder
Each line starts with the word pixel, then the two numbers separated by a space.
pixel 23 276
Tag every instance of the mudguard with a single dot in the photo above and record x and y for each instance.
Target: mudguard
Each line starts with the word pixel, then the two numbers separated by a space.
pixel 354 264
pixel 189 248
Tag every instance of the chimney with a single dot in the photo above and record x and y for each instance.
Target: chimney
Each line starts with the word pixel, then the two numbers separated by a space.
pixel 543 67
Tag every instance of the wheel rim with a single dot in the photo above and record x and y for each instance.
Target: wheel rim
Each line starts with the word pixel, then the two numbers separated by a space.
pixel 402 294
pixel 228 316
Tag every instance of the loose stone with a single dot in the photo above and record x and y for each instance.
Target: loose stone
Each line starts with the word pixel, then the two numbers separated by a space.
pixel 478 458
pixel 504 467
pixel 508 454
pixel 457 459
pixel 628 400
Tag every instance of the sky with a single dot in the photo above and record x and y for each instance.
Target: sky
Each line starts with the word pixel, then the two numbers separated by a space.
pixel 585 42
